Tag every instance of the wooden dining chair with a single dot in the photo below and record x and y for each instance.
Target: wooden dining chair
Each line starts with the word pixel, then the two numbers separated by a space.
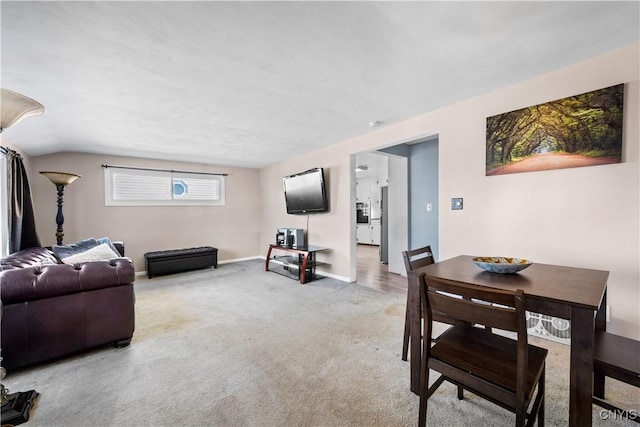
pixel 495 367
pixel 619 358
pixel 414 258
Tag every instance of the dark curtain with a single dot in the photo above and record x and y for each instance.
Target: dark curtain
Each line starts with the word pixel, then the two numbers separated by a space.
pixel 22 223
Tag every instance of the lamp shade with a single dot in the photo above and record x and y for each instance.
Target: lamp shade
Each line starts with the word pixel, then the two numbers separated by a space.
pixel 61 178
pixel 15 107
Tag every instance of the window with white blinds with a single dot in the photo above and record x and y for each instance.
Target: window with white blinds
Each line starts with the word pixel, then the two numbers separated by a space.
pixel 133 187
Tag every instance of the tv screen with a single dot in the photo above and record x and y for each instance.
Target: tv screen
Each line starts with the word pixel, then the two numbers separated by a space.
pixel 305 193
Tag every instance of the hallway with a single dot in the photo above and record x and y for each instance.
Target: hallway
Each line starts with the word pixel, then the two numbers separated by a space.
pixel 374 274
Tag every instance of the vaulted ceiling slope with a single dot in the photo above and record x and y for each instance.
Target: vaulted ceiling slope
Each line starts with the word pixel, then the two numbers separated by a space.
pixel 252 83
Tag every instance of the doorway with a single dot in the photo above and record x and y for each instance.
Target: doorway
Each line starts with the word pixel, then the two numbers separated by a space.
pixel 413 216
pixel 381 187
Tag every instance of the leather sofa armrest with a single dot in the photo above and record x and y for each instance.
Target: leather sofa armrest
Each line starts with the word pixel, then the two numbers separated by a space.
pixel 120 247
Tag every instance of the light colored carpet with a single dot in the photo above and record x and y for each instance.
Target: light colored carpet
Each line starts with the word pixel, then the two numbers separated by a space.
pixel 238 346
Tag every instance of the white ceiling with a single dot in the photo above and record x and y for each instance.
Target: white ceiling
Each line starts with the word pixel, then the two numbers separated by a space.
pixel 376 165
pixel 251 83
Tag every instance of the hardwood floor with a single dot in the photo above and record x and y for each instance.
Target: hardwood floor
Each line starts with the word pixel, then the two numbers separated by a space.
pixel 374 274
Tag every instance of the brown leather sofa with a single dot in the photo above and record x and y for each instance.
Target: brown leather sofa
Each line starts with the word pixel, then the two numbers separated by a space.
pixel 50 309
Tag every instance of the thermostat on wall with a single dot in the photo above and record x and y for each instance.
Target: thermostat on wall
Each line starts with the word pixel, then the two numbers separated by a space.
pixel 456 204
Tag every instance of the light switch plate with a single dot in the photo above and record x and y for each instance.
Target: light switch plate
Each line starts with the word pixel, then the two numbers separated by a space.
pixel 456 204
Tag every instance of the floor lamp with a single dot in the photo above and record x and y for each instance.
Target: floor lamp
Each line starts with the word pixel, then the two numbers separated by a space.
pixel 60 180
pixel 13 108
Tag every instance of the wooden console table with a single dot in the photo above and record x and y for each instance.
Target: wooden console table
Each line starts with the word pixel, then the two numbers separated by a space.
pixel 304 260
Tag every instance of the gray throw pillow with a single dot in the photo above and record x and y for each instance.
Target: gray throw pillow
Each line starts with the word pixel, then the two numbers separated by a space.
pixel 107 241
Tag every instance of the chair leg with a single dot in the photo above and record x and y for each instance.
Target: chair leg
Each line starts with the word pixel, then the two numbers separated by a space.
pixel 598 384
pixel 407 332
pixel 424 396
pixel 542 393
pixel 460 393
pixel 537 408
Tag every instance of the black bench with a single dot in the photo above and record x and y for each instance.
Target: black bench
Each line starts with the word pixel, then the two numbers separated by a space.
pixel 179 260
pixel 615 357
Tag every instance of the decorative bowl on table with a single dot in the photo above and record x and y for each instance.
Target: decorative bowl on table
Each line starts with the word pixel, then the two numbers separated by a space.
pixel 502 265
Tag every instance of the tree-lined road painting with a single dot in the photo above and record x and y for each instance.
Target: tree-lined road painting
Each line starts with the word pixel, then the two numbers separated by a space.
pixel 582 130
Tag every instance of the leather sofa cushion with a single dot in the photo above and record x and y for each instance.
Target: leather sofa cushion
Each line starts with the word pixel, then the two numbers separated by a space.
pixel 28 258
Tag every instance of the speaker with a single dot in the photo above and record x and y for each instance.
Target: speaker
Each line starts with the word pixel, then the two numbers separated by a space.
pixel 295 237
pixel 281 236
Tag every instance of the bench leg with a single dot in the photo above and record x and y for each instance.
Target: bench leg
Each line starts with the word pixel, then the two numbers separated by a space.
pixel 598 384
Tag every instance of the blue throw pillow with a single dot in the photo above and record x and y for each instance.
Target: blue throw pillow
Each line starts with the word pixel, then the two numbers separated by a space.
pixel 65 251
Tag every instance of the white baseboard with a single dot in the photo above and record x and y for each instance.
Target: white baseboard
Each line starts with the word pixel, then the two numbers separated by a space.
pixel 227 261
pixel 333 276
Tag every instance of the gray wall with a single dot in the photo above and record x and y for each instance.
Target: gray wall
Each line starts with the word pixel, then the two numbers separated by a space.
pixel 423 189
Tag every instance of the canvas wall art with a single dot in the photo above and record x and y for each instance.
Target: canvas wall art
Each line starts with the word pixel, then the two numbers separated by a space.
pixel 581 130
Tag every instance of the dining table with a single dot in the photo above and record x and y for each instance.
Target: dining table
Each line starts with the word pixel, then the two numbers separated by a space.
pixel 575 294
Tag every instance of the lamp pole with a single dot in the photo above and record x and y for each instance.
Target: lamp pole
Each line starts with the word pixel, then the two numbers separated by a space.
pixel 60 215
pixel 60 180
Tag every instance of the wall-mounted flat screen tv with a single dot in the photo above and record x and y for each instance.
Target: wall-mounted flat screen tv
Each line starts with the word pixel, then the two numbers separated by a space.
pixel 305 192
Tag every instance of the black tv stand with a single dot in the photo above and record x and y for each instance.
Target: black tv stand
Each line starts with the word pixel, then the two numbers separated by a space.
pixel 301 266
